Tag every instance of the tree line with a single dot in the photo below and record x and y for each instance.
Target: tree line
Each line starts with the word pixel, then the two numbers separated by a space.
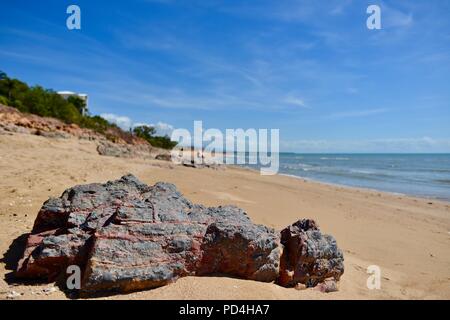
pixel 47 103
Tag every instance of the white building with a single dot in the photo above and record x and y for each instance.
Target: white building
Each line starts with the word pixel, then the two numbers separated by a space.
pixel 67 94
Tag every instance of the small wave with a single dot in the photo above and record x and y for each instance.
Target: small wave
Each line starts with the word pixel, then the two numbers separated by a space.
pixel 444 181
pixel 362 171
pixel 337 158
pixel 438 170
pixel 298 166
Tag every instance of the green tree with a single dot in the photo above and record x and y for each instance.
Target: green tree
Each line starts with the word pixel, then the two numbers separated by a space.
pixel 79 103
pixel 47 103
pixel 7 84
pixel 4 100
pixel 148 133
pixel 144 132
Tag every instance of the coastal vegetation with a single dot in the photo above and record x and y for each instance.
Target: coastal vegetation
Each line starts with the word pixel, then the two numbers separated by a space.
pixel 149 133
pixel 48 103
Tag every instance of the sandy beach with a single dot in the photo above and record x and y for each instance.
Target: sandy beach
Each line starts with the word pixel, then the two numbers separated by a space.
pixel 408 238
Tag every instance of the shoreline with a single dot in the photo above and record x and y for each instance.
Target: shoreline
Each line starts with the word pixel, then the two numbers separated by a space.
pixel 331 184
pixel 407 237
pixel 366 188
pixel 420 175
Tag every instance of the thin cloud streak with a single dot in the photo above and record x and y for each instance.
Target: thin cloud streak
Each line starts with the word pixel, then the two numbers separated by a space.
pixel 296 101
pixel 358 113
pixel 394 145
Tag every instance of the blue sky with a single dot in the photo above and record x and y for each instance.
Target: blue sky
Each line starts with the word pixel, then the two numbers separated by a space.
pixel 310 68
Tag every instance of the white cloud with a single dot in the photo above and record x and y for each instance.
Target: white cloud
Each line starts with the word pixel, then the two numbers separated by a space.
pixel 339 8
pixel 357 113
pixel 123 122
pixel 126 123
pixel 296 101
pixel 395 18
pixel 161 128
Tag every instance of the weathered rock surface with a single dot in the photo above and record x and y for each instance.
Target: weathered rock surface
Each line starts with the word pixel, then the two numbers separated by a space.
pixel 112 143
pixel 309 256
pixel 200 164
pixel 127 236
pixel 14 121
pixel 164 157
pixel 120 150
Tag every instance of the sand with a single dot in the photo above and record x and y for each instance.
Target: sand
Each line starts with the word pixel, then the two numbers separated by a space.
pixel 407 237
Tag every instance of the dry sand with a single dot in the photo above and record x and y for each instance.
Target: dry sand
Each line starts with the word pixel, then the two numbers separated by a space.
pixel 409 238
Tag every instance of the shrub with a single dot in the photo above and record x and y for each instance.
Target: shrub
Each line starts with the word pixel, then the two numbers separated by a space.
pixel 4 100
pixel 148 133
pixel 47 103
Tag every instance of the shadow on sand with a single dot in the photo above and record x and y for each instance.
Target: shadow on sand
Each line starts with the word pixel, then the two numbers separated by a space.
pixel 11 260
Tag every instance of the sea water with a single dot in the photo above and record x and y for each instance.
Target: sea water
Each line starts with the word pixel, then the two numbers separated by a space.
pixel 425 175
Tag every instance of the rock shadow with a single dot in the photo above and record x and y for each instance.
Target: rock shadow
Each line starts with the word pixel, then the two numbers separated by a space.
pixel 11 259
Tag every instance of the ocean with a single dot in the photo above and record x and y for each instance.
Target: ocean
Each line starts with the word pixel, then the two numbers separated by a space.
pixel 425 175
